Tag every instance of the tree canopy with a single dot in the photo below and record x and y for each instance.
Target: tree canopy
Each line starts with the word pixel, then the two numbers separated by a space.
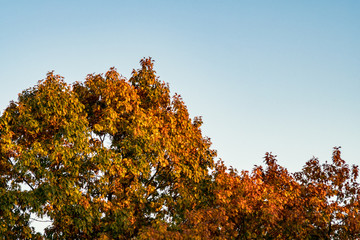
pixel 111 158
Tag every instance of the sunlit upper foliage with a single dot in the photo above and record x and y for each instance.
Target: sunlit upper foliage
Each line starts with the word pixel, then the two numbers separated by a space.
pixel 110 158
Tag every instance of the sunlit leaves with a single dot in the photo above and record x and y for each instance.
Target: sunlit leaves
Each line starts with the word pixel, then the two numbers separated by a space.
pixel 111 158
pixel 106 155
pixel 320 202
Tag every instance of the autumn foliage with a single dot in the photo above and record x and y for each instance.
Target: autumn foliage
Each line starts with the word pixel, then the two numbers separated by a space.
pixel 112 158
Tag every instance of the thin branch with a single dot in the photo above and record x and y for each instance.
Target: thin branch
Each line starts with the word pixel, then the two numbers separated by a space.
pixel 27 183
pixel 48 221
pixel 22 177
pixel 153 176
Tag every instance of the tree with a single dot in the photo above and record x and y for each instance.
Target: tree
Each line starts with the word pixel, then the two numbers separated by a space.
pixel 112 158
pixel 331 196
pixel 107 158
pixel 320 202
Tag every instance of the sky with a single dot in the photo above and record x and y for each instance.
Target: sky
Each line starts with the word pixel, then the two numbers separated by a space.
pixel 266 76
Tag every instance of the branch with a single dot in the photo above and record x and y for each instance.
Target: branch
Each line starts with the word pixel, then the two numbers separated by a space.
pixel 22 177
pixel 27 183
pixel 153 176
pixel 48 221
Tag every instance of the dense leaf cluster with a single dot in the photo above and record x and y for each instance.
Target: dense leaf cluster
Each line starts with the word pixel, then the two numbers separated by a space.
pixel 112 158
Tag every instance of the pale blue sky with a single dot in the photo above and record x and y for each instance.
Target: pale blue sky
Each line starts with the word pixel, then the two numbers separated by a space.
pixel 280 76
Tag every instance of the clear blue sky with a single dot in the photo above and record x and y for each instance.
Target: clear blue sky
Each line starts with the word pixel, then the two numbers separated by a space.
pixel 280 76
